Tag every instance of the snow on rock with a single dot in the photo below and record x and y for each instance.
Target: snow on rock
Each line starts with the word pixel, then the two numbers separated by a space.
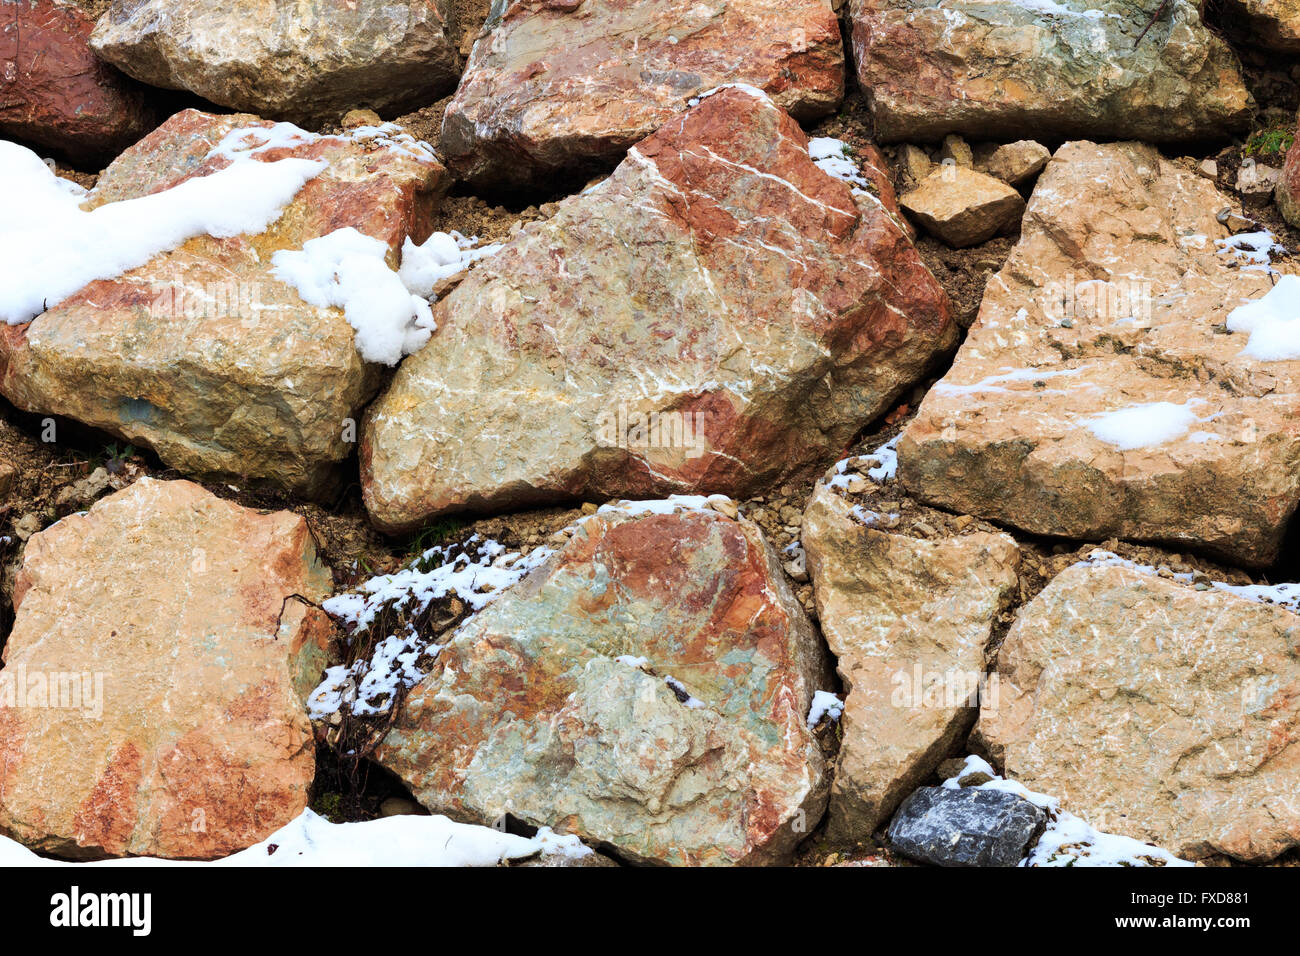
pixel 832 156
pixel 440 257
pixel 311 840
pixel 50 247
pixel 1255 249
pixel 1068 840
pixel 1143 426
pixel 348 270
pixel 1273 322
pixel 1283 595
pixel 826 704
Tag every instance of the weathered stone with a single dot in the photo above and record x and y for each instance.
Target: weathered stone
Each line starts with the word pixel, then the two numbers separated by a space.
pixel 716 314
pixel 539 707
pixel 203 355
pixel 1099 393
pixel 151 701
pixel 55 93
pixel 1018 162
pixel 956 149
pixel 1257 179
pixel 963 207
pixel 307 62
pixel 1288 185
pixel 1003 70
pixel 1273 24
pixel 8 477
pixel 909 620
pixel 966 827
pixel 915 163
pixel 567 87
pixel 1155 710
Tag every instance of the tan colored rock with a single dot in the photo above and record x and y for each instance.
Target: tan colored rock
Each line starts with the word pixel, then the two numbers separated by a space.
pixel 151 700
pixel 909 620
pixel 201 354
pixel 565 88
pixel 963 207
pixel 306 61
pixel 8 477
pixel 1002 69
pixel 956 149
pixel 915 162
pixel 1156 711
pixel 647 688
pixel 716 314
pixel 1099 393
pixel 1015 163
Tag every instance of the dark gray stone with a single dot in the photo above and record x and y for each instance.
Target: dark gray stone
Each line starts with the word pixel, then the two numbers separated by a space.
pixel 968 827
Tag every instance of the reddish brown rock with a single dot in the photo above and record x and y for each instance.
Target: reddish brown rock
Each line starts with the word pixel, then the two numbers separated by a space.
pixel 202 354
pixel 1001 69
pixel 55 93
pixel 715 315
pixel 1288 187
pixel 151 700
pixel 567 87
pixel 647 688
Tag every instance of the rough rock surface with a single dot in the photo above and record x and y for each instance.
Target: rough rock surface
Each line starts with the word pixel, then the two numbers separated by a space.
pixel 55 93
pixel 1002 70
pixel 568 87
pixel 201 354
pixel 1155 710
pixel 965 827
pixel 151 701
pixel 529 710
pixel 1018 162
pixel 963 207
pixel 717 313
pixel 1099 392
pixel 909 620
pixel 1288 186
pixel 1274 24
pixel 285 59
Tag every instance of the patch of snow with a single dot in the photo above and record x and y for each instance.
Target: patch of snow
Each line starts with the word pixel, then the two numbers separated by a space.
pixel 1256 249
pixel 831 156
pixel 1068 840
pixel 311 840
pixel 50 247
pixel 1052 8
pixel 673 504
pixel 441 256
pixel 887 455
pixel 1143 426
pixel 1273 323
pixel 347 269
pixel 682 694
pixel 753 91
pixel 824 704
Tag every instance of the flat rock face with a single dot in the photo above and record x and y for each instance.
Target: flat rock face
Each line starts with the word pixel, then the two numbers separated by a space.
pixel 1155 711
pixel 1100 392
pixel 569 86
pixel 963 207
pixel 697 754
pixel 55 93
pixel 301 61
pixel 1274 24
pixel 201 354
pixel 717 313
pixel 151 695
pixel 909 620
pixel 1005 70
pixel 965 827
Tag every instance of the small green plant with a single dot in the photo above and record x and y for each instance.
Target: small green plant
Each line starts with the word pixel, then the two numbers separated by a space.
pixel 330 806
pixel 1270 143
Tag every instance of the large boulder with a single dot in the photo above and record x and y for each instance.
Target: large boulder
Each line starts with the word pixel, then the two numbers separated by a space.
pixel 201 353
pixel 718 313
pixel 909 620
pixel 999 69
pixel 151 700
pixel 646 689
pixel 1103 391
pixel 963 207
pixel 1160 709
pixel 304 62
pixel 55 93
pixel 567 87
